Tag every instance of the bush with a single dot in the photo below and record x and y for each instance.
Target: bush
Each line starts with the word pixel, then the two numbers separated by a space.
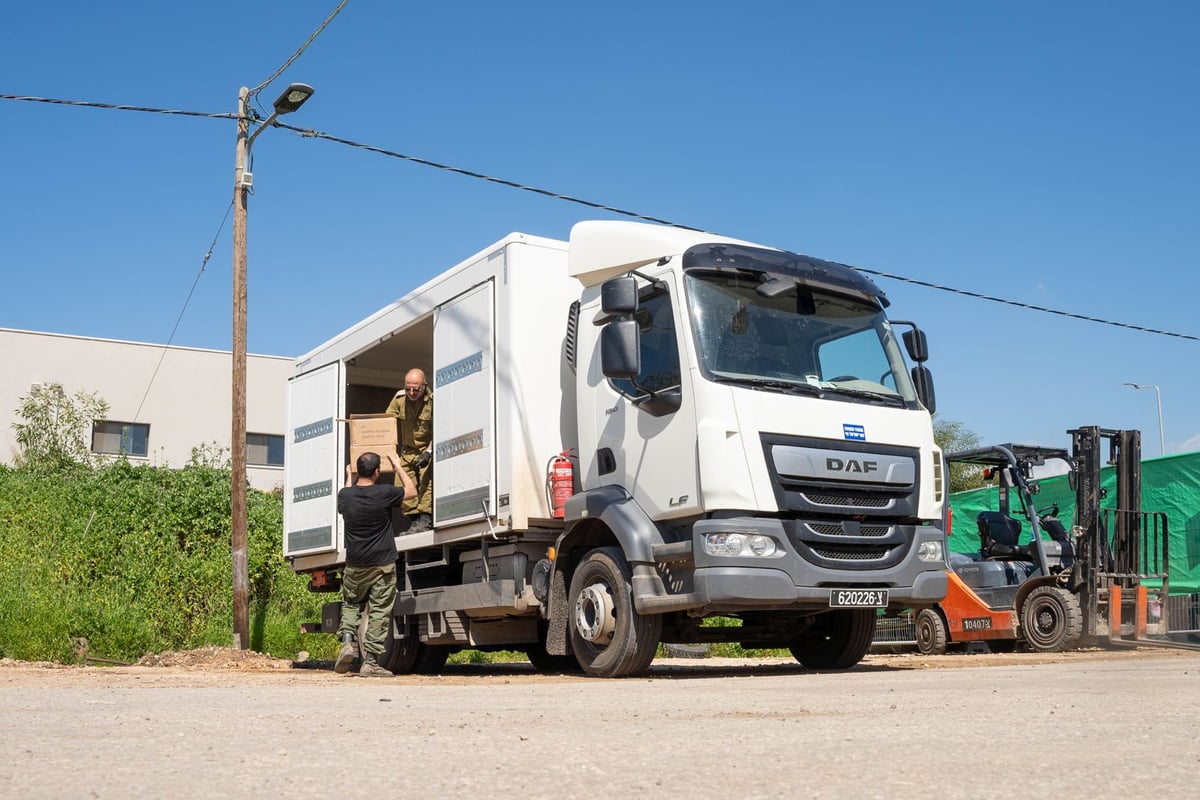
pixel 137 559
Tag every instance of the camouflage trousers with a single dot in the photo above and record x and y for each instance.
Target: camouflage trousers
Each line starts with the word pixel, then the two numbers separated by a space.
pixel 422 478
pixel 371 590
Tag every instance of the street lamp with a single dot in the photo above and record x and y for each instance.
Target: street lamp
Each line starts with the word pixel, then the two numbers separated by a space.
pixel 1161 441
pixel 292 98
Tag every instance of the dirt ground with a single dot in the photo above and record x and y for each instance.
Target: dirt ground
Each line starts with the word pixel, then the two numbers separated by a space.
pixel 226 666
pixel 218 723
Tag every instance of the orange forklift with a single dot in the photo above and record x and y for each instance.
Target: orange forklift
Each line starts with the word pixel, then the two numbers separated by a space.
pixel 1050 589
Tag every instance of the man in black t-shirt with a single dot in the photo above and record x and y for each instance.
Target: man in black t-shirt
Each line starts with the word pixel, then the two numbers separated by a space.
pixel 369 579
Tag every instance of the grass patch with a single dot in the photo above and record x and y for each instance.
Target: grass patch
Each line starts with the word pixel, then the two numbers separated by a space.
pixel 136 559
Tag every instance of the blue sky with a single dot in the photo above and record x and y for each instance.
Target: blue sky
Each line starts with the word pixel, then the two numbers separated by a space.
pixel 1041 152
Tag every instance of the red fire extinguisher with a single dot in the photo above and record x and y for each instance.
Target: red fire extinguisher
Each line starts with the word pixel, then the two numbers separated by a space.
pixel 560 482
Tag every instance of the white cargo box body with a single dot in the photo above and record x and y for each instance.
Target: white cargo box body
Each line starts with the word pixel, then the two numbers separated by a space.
pixel 489 334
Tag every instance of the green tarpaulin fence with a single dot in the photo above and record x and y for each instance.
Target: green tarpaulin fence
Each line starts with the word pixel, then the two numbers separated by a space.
pixel 1170 485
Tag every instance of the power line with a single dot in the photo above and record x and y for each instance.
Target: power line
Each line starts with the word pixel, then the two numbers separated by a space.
pixel 1029 306
pixel 296 54
pixel 313 134
pixel 171 338
pixel 89 104
pixel 546 193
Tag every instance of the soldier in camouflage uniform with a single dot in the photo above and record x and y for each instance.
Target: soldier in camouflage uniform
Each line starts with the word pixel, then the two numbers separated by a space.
pixel 413 407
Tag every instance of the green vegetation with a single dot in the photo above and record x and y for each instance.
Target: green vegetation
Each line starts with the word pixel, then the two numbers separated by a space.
pixel 954 436
pixel 734 649
pixel 55 427
pixel 136 559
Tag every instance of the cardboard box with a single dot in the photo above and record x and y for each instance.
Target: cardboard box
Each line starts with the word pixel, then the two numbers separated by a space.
pixel 373 433
pixel 373 430
pixel 358 450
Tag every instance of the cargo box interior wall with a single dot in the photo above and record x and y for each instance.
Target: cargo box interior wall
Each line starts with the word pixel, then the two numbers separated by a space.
pixel 375 375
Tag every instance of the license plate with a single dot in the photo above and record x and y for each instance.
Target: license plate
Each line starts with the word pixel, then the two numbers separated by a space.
pixel 858 598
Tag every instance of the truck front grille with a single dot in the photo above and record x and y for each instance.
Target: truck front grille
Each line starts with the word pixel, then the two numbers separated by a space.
pixel 837 545
pixel 838 479
pixel 835 529
pixel 846 500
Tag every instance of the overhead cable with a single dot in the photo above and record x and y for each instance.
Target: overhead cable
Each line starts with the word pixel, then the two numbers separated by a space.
pixel 1028 306
pixel 313 134
pixel 308 133
pixel 296 54
pixel 188 299
pixel 89 104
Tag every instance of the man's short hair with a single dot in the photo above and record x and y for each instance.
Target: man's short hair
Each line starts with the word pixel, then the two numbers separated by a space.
pixel 368 464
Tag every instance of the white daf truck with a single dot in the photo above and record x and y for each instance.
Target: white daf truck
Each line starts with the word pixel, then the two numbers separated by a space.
pixel 748 442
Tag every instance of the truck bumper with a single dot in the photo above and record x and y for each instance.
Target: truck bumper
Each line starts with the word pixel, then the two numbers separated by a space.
pixel 791 578
pixel 754 587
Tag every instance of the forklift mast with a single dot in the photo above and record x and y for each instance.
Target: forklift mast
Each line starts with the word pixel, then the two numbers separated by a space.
pixel 1121 547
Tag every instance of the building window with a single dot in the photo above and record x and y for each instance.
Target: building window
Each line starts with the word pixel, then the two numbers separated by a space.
pixel 264 450
pixel 121 438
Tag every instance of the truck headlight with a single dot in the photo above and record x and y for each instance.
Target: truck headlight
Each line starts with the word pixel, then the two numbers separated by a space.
pixel 739 544
pixel 930 551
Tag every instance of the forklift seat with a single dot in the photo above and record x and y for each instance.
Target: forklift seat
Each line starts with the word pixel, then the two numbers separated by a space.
pixel 999 536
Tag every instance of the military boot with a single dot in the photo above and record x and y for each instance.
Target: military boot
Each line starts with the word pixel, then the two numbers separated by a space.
pixel 370 668
pixel 346 655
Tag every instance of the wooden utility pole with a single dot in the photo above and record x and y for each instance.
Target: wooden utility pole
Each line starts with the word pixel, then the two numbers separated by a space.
pixel 237 445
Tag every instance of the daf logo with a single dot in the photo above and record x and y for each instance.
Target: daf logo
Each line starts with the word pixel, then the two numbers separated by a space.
pixel 850 465
pixel 813 463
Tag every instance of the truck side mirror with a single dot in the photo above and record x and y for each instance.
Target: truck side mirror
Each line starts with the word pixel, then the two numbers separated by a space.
pixel 619 295
pixel 620 349
pixel 922 380
pixel 916 345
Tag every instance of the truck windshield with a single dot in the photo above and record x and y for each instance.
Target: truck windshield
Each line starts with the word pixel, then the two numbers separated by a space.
pixel 763 331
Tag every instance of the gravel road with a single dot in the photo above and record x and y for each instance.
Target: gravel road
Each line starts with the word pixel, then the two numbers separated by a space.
pixel 1102 723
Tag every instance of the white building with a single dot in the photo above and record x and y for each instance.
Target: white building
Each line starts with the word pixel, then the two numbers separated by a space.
pixel 163 401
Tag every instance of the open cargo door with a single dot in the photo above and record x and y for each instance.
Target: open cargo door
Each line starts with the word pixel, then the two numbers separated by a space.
pixel 464 465
pixel 314 447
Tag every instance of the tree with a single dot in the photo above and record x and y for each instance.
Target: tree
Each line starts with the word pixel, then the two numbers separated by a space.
pixel 953 436
pixel 55 430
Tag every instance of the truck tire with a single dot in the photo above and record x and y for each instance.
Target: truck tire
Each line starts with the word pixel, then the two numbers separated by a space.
pixel 543 661
pixel 932 635
pixel 609 637
pixel 431 659
pixel 837 639
pixel 408 655
pixel 1051 619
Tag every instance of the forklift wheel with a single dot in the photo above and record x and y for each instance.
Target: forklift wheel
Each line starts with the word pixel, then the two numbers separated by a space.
pixel 931 632
pixel 1051 619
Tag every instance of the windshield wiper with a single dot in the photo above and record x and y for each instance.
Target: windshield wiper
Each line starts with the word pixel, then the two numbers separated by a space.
pixel 887 397
pixel 791 387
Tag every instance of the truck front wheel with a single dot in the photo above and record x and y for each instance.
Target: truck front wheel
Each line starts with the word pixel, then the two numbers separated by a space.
pixel 609 637
pixel 836 640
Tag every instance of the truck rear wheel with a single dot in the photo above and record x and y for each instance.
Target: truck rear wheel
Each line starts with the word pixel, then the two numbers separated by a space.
pixel 1051 619
pixel 609 637
pixel 932 635
pixel 837 639
pixel 409 655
